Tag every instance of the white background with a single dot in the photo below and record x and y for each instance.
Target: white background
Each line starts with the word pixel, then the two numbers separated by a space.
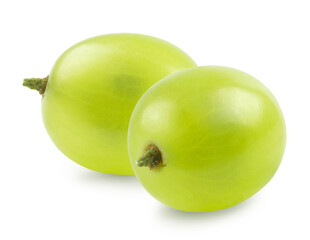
pixel 44 195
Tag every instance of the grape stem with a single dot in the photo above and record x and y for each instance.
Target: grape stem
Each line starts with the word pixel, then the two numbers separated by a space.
pixel 151 157
pixel 38 84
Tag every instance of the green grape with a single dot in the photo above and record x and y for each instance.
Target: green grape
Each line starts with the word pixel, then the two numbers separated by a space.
pixel 91 92
pixel 206 138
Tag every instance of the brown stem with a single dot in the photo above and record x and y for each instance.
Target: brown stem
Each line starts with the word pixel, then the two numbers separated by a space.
pixel 38 84
pixel 151 158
